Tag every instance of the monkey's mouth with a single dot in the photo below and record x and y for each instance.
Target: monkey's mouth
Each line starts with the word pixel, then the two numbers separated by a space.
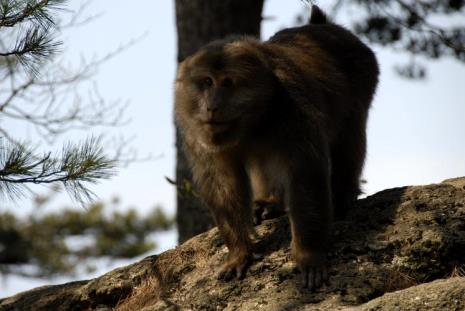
pixel 220 132
pixel 213 122
pixel 219 126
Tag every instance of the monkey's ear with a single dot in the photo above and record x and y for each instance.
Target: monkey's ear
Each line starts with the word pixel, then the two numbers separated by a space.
pixel 318 16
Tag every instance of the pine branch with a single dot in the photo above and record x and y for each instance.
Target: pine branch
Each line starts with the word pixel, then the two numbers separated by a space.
pixel 37 43
pixel 412 27
pixel 14 12
pixel 33 47
pixel 77 166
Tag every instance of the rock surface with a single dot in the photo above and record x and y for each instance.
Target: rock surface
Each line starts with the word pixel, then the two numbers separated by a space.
pixel 400 249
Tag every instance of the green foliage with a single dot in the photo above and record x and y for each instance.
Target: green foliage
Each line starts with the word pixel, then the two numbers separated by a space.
pixel 44 240
pixel 184 188
pixel 33 24
pixel 76 166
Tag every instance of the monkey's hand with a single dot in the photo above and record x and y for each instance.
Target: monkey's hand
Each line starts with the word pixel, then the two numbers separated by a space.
pixel 312 265
pixel 235 266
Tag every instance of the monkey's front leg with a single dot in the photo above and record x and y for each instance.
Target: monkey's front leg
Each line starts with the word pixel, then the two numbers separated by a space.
pixel 228 196
pixel 236 236
pixel 309 203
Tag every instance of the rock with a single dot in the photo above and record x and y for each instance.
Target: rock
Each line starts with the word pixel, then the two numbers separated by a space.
pixel 438 295
pixel 400 249
pixel 458 182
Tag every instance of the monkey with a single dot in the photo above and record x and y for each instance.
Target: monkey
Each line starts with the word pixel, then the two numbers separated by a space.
pixel 281 121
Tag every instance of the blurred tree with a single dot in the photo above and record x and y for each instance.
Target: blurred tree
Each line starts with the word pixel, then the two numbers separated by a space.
pixel 38 90
pixel 199 22
pixel 430 29
pixel 56 243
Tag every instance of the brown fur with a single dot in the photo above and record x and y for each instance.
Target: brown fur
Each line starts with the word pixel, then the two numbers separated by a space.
pixel 281 121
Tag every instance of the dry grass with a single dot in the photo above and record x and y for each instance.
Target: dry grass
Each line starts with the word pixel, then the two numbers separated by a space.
pixel 398 280
pixel 458 271
pixel 146 294
pixel 170 267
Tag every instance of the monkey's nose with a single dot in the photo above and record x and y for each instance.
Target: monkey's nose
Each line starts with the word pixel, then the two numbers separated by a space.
pixel 211 114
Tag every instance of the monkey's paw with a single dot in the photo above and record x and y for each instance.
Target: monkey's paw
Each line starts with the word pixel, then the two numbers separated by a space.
pixel 312 265
pixel 235 267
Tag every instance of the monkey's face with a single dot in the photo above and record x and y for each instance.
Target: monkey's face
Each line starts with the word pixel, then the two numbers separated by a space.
pixel 221 92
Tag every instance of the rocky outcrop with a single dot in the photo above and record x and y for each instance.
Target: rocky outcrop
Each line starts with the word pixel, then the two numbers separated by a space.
pixel 400 249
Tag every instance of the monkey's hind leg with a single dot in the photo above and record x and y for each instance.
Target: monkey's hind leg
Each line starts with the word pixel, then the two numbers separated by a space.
pixel 267 196
pixel 347 160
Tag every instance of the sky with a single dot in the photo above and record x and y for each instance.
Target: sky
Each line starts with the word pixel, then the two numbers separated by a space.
pixel 415 129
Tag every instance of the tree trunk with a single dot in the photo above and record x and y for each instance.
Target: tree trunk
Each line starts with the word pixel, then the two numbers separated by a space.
pixel 199 22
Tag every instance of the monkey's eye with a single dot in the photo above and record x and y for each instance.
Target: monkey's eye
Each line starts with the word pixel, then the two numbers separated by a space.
pixel 207 82
pixel 227 82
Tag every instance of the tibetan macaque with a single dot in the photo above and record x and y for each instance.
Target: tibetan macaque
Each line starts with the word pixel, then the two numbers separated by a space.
pixel 279 122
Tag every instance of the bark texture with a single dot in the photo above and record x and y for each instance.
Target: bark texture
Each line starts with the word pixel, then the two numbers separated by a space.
pixel 199 22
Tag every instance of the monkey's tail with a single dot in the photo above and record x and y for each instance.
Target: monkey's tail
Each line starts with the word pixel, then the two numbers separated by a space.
pixel 317 16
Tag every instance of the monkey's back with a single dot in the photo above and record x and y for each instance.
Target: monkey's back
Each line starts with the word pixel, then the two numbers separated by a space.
pixel 350 58
pixel 328 75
